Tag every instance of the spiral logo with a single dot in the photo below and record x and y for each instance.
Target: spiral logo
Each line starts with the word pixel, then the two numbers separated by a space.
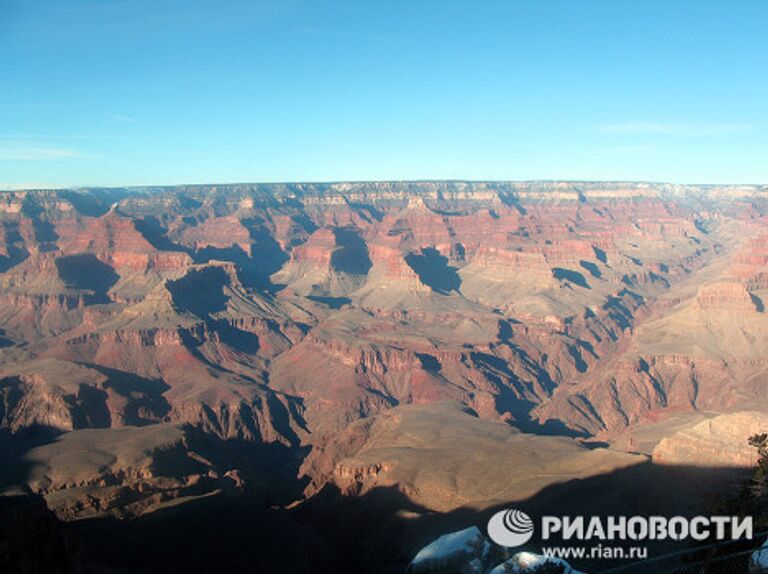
pixel 510 528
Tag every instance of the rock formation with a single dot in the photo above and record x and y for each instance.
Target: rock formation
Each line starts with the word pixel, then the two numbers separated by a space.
pixel 721 441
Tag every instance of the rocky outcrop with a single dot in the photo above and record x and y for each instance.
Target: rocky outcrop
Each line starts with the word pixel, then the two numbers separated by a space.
pixel 442 457
pixel 131 471
pixel 215 232
pixel 728 296
pixel 721 441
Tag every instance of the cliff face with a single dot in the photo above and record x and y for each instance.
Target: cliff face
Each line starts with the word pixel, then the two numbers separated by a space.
pixel 281 314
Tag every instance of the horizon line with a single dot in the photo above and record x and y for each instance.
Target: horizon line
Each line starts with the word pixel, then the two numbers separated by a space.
pixel 39 187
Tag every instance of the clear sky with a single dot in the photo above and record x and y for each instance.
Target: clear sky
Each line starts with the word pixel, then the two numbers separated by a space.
pixel 99 92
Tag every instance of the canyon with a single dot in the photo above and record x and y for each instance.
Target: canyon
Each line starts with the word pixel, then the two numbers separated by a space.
pixel 438 346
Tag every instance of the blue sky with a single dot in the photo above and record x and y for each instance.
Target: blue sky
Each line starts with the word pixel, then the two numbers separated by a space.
pixel 169 91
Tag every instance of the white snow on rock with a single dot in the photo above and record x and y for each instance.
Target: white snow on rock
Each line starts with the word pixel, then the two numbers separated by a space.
pixel 468 551
pixel 759 558
pixel 466 547
pixel 530 563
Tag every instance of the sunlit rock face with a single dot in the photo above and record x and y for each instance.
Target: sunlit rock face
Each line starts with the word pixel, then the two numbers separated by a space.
pixel 721 441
